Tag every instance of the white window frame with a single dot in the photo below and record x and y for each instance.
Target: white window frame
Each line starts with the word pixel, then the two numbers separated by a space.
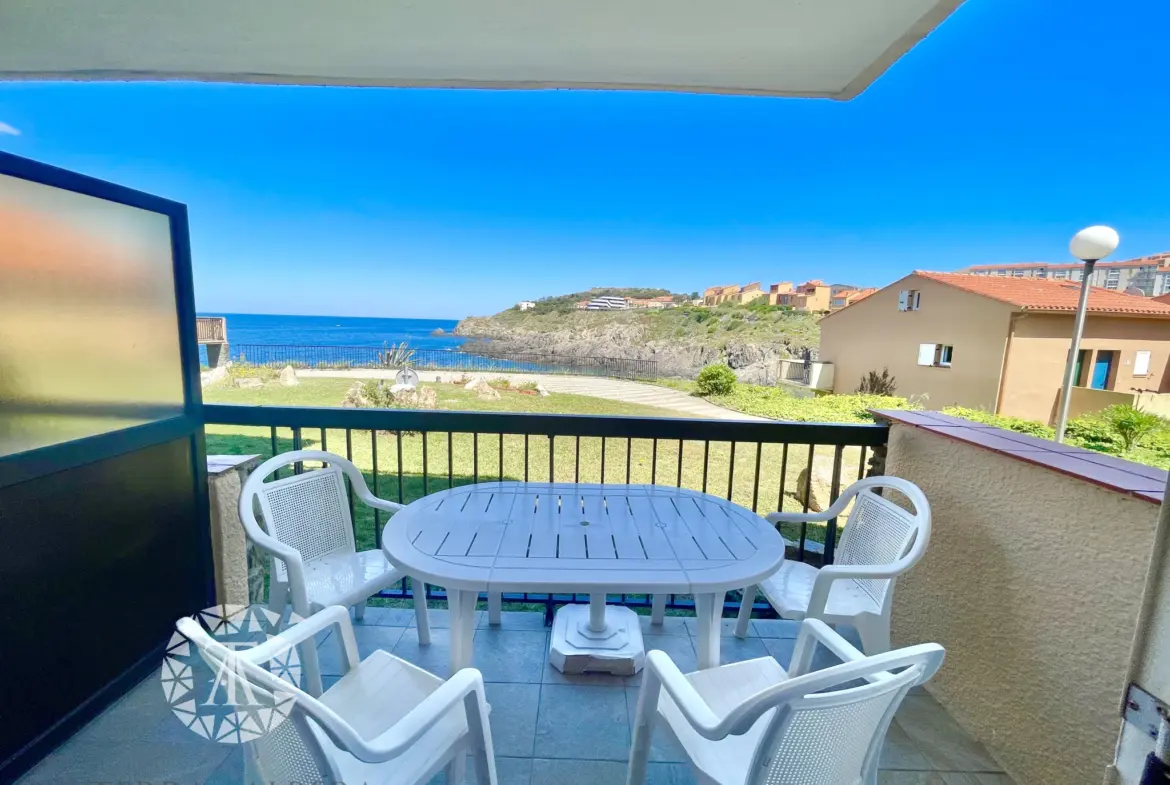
pixel 1141 363
pixel 930 355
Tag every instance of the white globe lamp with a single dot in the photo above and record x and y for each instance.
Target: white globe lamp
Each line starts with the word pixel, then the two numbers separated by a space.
pixel 1094 243
pixel 1090 245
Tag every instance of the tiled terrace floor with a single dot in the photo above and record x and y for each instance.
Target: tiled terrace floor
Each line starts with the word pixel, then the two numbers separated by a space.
pixel 548 728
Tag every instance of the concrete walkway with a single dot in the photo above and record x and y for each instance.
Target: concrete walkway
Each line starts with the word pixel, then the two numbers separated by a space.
pixel 612 389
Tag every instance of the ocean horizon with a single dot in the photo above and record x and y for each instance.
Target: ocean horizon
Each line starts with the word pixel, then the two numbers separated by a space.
pixel 279 329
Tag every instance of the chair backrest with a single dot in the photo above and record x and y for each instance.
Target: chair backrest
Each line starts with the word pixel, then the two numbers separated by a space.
pixel 289 750
pixel 831 732
pixel 308 511
pixel 879 532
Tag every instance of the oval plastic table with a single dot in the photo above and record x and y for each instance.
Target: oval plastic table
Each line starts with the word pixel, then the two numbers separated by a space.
pixel 567 537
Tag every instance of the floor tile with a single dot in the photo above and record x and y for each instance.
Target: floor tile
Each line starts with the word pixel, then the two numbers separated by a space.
pixel 578 772
pixel 733 649
pixel 388 617
pixel 727 627
pixel 910 778
pixel 369 639
pixel 963 778
pixel 582 722
pixel 128 761
pixel 681 650
pixel 946 746
pixel 440 618
pixel 776 628
pixel 231 771
pixel 515 620
pixel 670 774
pixel 434 657
pixel 663 747
pixel 781 649
pixel 671 625
pixel 135 715
pixel 509 771
pixel 899 752
pixel 513 717
pixel 510 655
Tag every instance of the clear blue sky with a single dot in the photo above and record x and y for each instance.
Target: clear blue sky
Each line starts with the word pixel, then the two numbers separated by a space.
pixel 1012 126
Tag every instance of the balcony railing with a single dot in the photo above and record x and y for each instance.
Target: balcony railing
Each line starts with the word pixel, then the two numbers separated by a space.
pixel 407 454
pixel 345 357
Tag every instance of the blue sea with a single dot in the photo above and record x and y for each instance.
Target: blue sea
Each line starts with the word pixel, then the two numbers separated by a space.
pixel 253 328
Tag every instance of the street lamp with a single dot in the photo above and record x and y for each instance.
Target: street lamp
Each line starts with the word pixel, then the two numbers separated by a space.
pixel 1090 245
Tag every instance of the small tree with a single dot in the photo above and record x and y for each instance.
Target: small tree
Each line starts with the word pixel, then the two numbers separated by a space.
pixel 874 383
pixel 717 379
pixel 1131 424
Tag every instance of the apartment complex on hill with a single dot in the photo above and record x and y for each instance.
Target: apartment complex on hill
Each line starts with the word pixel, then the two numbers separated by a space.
pixel 1150 274
pixel 1000 344
pixel 813 296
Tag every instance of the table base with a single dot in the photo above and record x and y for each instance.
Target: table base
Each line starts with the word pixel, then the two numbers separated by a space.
pixel 576 647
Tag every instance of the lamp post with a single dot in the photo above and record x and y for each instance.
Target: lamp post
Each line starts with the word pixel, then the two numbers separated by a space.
pixel 1090 245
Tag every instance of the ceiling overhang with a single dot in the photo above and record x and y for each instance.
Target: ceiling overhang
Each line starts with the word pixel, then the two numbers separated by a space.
pixel 810 48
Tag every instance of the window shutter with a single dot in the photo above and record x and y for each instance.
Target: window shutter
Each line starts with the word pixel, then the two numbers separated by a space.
pixel 1141 364
pixel 903 297
pixel 917 300
pixel 926 353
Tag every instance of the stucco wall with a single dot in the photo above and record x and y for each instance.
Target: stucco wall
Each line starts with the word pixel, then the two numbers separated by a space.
pixel 873 334
pixel 1033 582
pixel 1039 348
pixel 1085 400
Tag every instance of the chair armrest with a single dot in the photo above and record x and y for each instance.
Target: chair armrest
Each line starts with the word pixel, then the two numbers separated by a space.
pixel 835 509
pixel 812 632
pixel 661 670
pixel 835 572
pixel 394 741
pixel 305 630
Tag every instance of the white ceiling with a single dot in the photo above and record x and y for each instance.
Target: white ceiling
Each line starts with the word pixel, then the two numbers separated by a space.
pixel 828 48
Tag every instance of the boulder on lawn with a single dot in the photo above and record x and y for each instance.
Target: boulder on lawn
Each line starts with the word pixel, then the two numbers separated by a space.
pixel 248 383
pixel 541 389
pixel 397 388
pixel 474 383
pixel 213 376
pixel 355 397
pixel 288 377
pixel 415 398
pixel 483 391
pixel 821 487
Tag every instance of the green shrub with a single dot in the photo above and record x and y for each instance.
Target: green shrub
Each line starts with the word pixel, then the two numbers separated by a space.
pixel 776 403
pixel 525 386
pixel 716 379
pixel 1017 424
pixel 1131 424
pixel 1094 433
pixel 874 383
pixel 265 373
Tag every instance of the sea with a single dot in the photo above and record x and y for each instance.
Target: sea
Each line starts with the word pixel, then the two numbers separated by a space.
pixel 250 329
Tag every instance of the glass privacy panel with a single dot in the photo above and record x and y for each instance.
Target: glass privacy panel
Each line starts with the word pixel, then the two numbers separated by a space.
pixel 89 339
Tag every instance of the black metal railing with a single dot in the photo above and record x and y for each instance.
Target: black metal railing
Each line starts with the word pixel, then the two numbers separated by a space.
pixel 407 454
pixel 344 357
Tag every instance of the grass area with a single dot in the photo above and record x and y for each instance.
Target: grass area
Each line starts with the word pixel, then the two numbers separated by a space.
pixel 457 459
pixel 777 403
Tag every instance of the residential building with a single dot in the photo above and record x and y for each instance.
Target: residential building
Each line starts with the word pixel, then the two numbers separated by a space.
pixel 997 343
pixel 525 305
pixel 848 297
pixel 813 296
pixel 714 295
pixel 750 292
pixel 776 290
pixel 608 303
pixel 1150 274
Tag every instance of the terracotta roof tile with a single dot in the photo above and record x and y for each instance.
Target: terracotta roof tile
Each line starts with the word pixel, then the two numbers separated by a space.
pixel 1040 294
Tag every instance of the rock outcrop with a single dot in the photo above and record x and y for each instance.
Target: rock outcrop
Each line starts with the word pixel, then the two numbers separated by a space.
pixel 288 377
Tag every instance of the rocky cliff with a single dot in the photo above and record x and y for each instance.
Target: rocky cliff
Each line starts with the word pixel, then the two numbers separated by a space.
pixel 681 341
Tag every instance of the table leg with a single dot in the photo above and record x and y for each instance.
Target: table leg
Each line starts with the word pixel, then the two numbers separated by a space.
pixel 461 604
pixel 709 610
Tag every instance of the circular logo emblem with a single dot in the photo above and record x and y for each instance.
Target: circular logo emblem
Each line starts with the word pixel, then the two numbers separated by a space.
pixel 219 702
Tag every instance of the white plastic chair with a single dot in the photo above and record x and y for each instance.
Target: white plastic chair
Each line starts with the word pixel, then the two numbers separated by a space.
pixel 310 539
pixel 385 721
pixel 752 723
pixel 880 541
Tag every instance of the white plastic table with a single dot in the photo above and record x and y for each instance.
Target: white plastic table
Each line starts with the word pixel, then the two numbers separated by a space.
pixel 569 537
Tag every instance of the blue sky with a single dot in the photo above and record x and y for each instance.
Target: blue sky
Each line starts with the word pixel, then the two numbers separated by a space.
pixel 1011 127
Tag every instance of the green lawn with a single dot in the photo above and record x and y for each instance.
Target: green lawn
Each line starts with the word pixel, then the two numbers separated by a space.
pixel 456 459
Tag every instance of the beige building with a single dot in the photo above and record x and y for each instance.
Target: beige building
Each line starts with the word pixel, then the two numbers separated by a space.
pixel 1150 274
pixel 714 295
pixel 750 292
pixel 998 343
pixel 814 296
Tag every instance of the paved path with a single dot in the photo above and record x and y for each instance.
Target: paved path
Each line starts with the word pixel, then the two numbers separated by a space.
pixel 613 389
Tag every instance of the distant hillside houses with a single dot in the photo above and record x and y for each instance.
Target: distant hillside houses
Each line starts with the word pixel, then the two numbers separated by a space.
pixel 1149 274
pixel 813 296
pixel 617 303
pixel 608 303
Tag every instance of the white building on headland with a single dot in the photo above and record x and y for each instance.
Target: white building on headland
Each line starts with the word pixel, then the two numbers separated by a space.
pixel 525 305
pixel 608 303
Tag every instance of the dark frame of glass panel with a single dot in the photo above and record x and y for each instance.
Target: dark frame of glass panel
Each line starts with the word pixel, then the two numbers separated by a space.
pixel 40 464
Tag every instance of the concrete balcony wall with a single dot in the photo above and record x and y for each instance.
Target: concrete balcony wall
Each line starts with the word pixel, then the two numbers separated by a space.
pixel 1034 583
